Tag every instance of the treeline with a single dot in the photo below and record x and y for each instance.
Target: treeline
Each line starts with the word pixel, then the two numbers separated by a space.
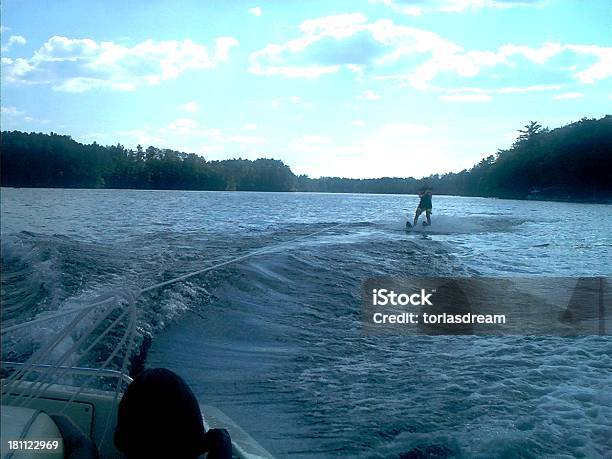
pixel 573 162
pixel 41 160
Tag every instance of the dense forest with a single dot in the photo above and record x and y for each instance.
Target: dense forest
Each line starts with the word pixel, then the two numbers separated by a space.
pixel 573 162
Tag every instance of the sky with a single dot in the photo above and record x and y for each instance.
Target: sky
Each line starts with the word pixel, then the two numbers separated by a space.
pixel 353 88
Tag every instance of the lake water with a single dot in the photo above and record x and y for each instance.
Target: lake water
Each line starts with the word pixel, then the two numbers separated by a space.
pixel 275 341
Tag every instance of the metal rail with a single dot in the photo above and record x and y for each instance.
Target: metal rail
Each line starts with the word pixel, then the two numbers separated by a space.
pixel 103 372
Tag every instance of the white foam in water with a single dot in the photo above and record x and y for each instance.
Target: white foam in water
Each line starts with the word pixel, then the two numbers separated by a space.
pixel 449 224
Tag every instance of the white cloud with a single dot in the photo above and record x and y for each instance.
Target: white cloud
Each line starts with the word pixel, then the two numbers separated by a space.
pixel 337 26
pixel 10 111
pixel 13 40
pixel 419 7
pixel 78 65
pixel 190 107
pixel 17 40
pixel 257 11
pixel 268 61
pixel 359 123
pixel 499 91
pixel 464 64
pixel 82 84
pixel 466 98
pixel 568 95
pixel 383 42
pixel 380 42
pixel 538 55
pixel 524 89
pixel 183 124
pixel 350 41
pixel 601 69
pixel 473 94
pixel 369 95
pixel 471 63
pixel 223 46
pixel 369 49
pixel 310 72
pixel 250 126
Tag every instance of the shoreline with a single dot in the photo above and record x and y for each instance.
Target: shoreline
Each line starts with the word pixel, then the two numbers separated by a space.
pixel 604 201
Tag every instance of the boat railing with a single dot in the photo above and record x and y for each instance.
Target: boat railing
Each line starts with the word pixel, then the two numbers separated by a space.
pixel 82 371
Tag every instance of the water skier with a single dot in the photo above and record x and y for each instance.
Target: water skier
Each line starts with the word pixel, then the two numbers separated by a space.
pixel 425 205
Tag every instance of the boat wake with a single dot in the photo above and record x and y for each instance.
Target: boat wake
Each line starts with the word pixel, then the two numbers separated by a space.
pixel 274 339
pixel 452 224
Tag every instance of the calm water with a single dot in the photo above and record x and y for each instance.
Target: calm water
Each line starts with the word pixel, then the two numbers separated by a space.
pixel 275 340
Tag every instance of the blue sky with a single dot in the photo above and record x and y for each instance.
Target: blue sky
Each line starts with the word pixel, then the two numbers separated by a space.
pixel 355 89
